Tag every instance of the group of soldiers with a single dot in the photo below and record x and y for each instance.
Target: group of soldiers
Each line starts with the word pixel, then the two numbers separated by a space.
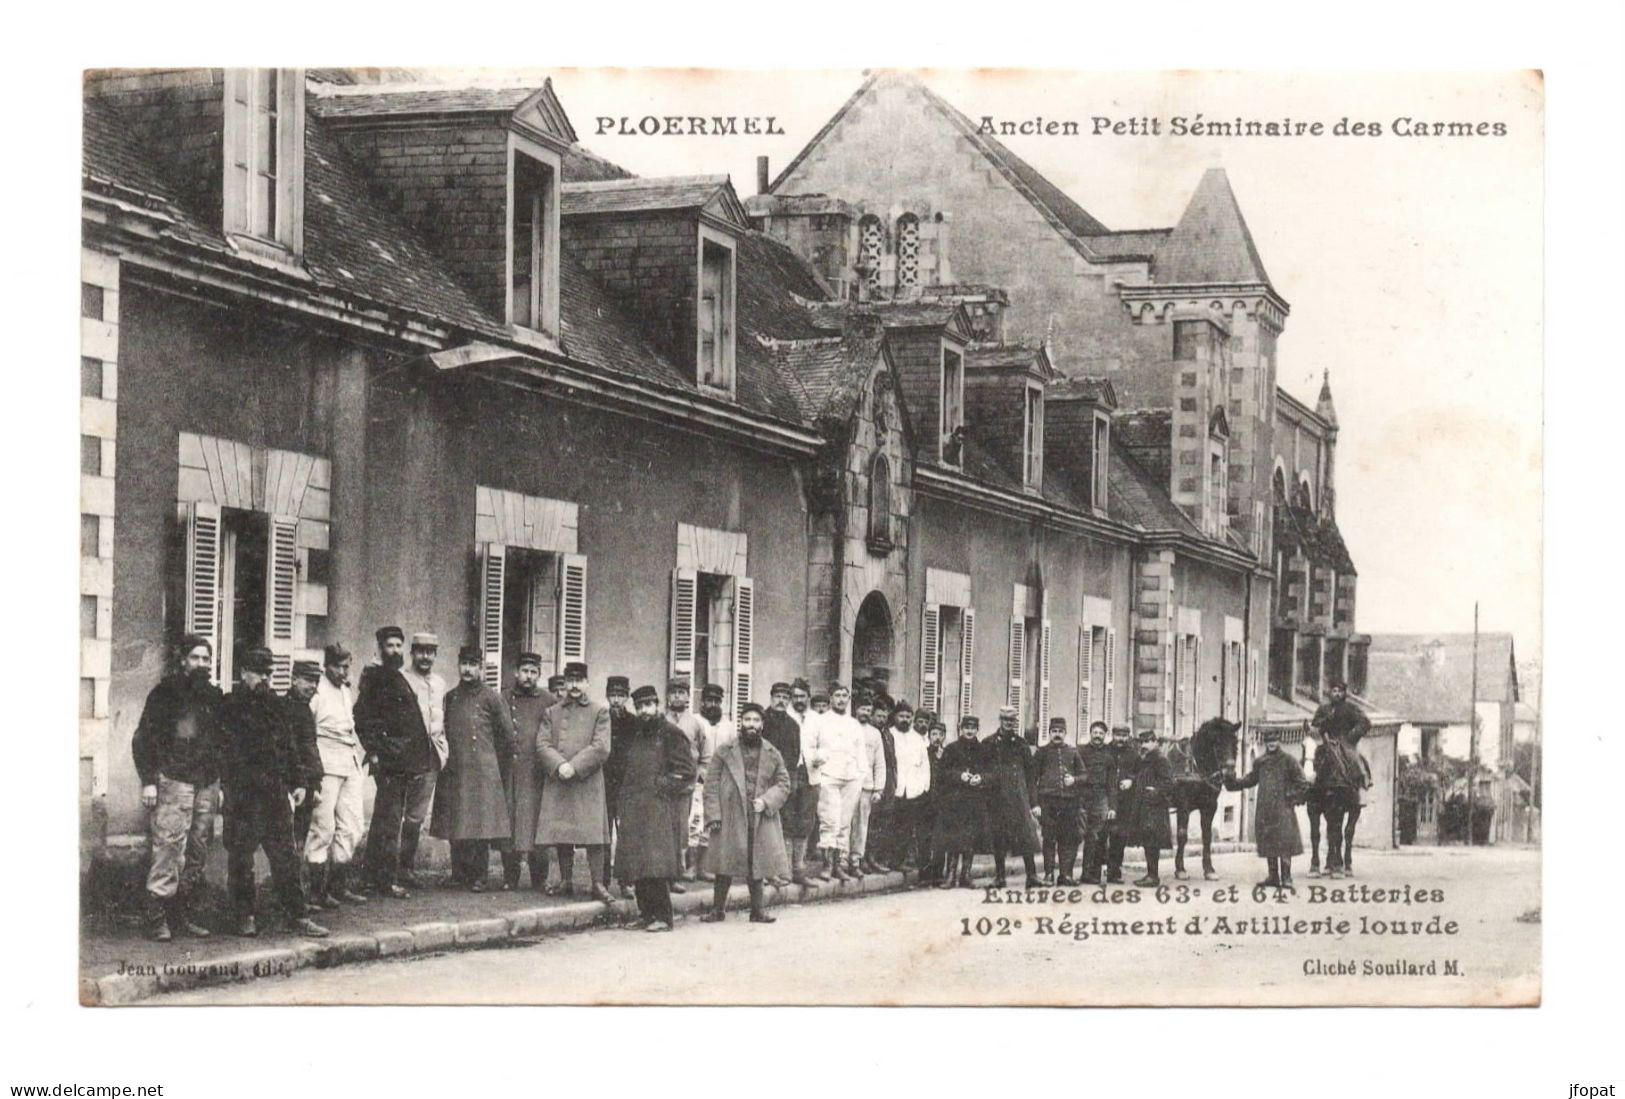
pixel 813 786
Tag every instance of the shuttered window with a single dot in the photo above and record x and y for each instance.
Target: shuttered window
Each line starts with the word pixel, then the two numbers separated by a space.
pixel 281 591
pixel 1016 663
pixel 744 642
pixel 967 652
pixel 1043 678
pixel 684 585
pixel 493 581
pixel 1111 675
pixel 203 577
pixel 572 608
pixel 930 657
pixel 1086 661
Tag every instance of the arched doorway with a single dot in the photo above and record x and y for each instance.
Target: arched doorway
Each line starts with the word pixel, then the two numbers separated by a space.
pixel 872 644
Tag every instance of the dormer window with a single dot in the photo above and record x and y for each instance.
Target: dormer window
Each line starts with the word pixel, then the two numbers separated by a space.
pixel 952 402
pixel 533 238
pixel 262 192
pixel 715 367
pixel 1099 459
pixel 1033 440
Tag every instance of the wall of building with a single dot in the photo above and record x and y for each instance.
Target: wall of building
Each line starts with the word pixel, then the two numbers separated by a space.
pixel 650 262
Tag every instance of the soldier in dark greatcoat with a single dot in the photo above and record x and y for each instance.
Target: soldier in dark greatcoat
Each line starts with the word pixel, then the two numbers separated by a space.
pixel 622 728
pixel 528 702
pixel 1143 805
pixel 744 792
pixel 389 721
pixel 263 772
pixel 470 802
pixel 1012 824
pixel 657 781
pixel 961 805
pixel 936 738
pixel 784 732
pixel 1059 768
pixel 1281 786
pixel 572 750
pixel 1097 804
pixel 1340 777
pixel 302 726
pixel 1117 838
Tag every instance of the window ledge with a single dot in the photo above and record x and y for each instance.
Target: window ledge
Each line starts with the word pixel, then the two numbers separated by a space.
pixel 535 337
pixel 269 253
pixel 880 546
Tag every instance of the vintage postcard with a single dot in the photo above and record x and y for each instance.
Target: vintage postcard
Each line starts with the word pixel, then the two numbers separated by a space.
pixel 1006 537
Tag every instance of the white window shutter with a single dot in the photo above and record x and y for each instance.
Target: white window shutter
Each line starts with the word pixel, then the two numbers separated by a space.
pixel 930 657
pixel 744 641
pixel 1111 674
pixel 1196 683
pixel 1016 657
pixel 493 581
pixel 1086 655
pixel 684 589
pixel 967 662
pixel 1043 680
pixel 203 577
pixel 1180 656
pixel 281 589
pixel 572 608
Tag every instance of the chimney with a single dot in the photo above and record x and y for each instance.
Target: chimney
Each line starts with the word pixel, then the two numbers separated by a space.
pixel 761 175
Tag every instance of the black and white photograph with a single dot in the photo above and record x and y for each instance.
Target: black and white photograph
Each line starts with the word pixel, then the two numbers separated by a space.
pixel 948 525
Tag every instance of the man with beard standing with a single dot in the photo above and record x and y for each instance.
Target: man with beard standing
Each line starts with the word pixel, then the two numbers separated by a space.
pixel 527 702
pixel 1125 758
pixel 1146 790
pixel 264 782
pixel 913 786
pixel 1010 809
pixel 339 819
pixel 1060 775
pixel 747 786
pixel 177 751
pixel 936 738
pixel 656 780
pixel 622 728
pixel 390 723
pixel 470 803
pixel 719 730
pixel 961 805
pixel 783 731
pixel 694 727
pixel 572 749
pixel 1098 800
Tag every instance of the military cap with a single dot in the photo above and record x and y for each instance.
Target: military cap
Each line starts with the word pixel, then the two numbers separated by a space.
pixel 1146 734
pixel 901 706
pixel 575 669
pixel 1270 732
pixel 194 640
pixel 335 654
pixel 384 633
pixel 819 696
pixel 936 724
pixel 617 684
pixel 800 684
pixel 929 715
pixel 970 721
pixel 258 659
pixel 677 683
pixel 555 683
pixel 1337 683
pixel 1123 729
pixel 423 639
pixel 1057 721
pixel 1101 725
pixel 751 708
pixel 778 689
pixel 468 654
pixel 307 669
pixel 645 694
pixel 711 693
pixel 533 659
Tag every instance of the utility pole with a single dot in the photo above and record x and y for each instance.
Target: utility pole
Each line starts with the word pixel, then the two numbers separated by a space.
pixel 1472 734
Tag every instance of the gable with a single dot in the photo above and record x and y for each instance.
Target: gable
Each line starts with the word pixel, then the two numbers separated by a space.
pixel 542 115
pixel 725 206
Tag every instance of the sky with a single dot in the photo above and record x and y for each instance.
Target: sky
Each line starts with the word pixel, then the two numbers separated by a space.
pixel 1412 264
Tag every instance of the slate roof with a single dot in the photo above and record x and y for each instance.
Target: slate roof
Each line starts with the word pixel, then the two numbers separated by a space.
pixel 995 355
pixel 1134 495
pixel 831 315
pixel 828 372
pixel 407 99
pixel 636 194
pixel 1088 387
pixel 581 164
pixel 1428 677
pixel 1301 529
pixel 1127 244
pixel 1211 243
pixel 351 246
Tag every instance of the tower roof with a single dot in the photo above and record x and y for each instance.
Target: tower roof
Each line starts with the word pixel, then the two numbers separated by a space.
pixel 1211 243
pixel 1323 405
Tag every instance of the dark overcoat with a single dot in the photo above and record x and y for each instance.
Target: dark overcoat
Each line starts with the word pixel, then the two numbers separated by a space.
pixel 1010 777
pixel 258 743
pixel 524 779
pixel 470 802
pixel 574 810
pixel 1143 808
pixel 1281 786
pixel 307 755
pixel 389 722
pixel 961 808
pixel 780 730
pixel 657 778
pixel 622 728
pixel 179 732
pixel 729 792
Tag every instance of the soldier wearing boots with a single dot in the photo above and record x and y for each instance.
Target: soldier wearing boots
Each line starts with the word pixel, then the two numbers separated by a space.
pixel 1060 788
pixel 1146 790
pixel 264 782
pixel 744 792
pixel 1124 756
pixel 782 730
pixel 177 755
pixel 622 730
pixel 391 722
pixel 302 726
pixel 1281 786
pixel 338 820
pixel 1097 805
pixel 528 702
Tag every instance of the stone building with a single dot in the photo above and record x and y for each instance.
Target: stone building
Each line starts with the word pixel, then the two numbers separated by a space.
pixel 403 353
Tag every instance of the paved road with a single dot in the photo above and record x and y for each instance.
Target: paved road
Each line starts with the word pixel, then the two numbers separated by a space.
pixel 911 948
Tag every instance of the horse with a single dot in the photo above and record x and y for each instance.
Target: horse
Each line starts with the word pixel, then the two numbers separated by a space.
pixel 1199 765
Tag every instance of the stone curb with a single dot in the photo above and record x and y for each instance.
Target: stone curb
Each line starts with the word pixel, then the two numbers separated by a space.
pixel 439 937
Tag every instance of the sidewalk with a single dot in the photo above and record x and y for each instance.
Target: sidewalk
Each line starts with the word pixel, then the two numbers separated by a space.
pixel 118 964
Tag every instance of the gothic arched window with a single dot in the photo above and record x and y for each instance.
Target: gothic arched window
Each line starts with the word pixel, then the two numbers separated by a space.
pixel 871 249
pixel 880 504
pixel 908 251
